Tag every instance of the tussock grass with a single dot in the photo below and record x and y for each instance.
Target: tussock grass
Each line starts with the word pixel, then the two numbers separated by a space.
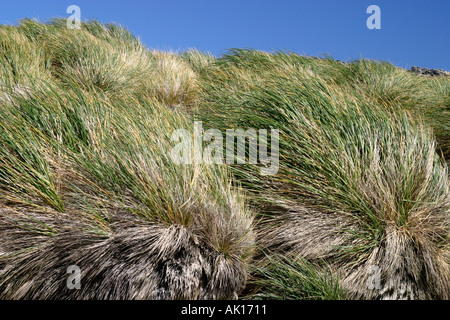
pixel 21 61
pixel 87 178
pixel 77 56
pixel 349 151
pixel 176 84
pixel 199 61
pixel 86 172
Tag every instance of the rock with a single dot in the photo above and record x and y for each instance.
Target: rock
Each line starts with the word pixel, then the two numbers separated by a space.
pixel 429 72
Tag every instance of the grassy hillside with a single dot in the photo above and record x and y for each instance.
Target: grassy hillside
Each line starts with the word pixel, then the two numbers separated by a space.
pixel 87 177
pixel 361 183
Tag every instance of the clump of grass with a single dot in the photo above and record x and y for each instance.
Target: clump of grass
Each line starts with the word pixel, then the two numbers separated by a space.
pixel 25 174
pixel 426 99
pixel 199 61
pixel 94 63
pixel 436 112
pixel 359 163
pixel 175 83
pixel 109 59
pixel 87 178
pixel 22 64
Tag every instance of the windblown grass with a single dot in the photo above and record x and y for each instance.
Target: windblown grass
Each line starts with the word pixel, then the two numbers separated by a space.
pixel 348 150
pixel 87 154
pixel 86 174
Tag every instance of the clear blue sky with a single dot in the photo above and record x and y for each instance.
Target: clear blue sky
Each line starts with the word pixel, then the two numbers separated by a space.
pixel 412 32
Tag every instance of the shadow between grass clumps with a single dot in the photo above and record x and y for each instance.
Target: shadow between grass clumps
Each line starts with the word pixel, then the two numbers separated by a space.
pixel 292 278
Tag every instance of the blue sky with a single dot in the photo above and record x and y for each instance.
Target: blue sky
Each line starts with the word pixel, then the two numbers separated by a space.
pixel 412 32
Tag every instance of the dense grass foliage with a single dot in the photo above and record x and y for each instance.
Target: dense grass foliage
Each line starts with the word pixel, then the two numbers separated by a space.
pixel 87 177
pixel 86 152
pixel 293 278
pixel 359 168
